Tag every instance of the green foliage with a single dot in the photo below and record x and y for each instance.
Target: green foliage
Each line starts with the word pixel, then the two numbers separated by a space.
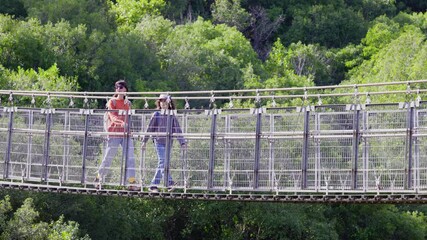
pixel 379 35
pixel 373 8
pixel 42 80
pixel 155 30
pixel 403 58
pixel 91 13
pixel 412 5
pixel 125 55
pixel 32 45
pixel 13 8
pixel 24 224
pixel 204 56
pixel 230 13
pixel 183 11
pixel 64 231
pixel 377 222
pixel 5 208
pixel 130 12
pixel 311 61
pixel 327 25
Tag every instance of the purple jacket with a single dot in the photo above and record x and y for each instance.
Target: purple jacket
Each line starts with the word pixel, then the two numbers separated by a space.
pixel 158 123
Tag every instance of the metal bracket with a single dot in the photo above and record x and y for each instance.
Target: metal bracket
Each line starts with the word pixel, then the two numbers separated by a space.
pixel 86 111
pixel 124 112
pixel 165 112
pixel 213 112
pixel 47 110
pixel 258 110
pixel 10 109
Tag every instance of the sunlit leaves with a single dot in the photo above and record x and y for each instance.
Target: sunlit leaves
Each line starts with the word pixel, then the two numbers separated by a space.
pixel 130 12
pixel 204 56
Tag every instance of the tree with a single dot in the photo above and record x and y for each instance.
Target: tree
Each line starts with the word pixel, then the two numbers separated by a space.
pixel 376 222
pixel 28 44
pixel 379 35
pixel 261 30
pixel 328 25
pixel 183 11
pixel 204 56
pixel 373 8
pixel 129 12
pixel 311 61
pixel 13 8
pixel 155 31
pixel 412 5
pixel 401 57
pixel 93 14
pixel 42 80
pixel 125 55
pixel 230 13
pixel 24 225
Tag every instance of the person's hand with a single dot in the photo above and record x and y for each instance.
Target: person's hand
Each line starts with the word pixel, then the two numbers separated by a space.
pixel 143 146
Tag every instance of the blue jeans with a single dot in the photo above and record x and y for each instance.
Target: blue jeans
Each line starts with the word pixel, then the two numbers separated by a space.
pixel 160 170
pixel 110 153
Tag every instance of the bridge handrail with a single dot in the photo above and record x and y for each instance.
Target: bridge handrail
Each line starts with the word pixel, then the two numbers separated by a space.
pixel 227 94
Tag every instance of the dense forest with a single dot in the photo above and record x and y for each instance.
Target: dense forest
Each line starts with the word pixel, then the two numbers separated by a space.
pixel 170 45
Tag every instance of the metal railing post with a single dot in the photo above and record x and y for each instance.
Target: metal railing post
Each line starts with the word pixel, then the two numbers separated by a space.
pixel 46 153
pixel 257 153
pixel 409 142
pixel 317 165
pixel 168 146
pixel 227 154
pixel 125 148
pixel 305 147
pixel 30 143
pixel 271 173
pixel 365 153
pixel 356 138
pixel 211 166
pixel 86 113
pixel 9 142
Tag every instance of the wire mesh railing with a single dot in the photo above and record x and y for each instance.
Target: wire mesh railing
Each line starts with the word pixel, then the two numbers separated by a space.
pixel 341 148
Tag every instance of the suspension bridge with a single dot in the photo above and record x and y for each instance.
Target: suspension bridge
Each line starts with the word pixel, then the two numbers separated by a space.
pixel 359 151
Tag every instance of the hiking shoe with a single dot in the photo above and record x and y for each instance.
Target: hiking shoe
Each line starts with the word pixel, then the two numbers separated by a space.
pixel 97 183
pixel 153 189
pixel 171 186
pixel 134 188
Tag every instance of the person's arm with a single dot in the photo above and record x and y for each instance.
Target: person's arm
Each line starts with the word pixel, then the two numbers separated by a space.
pixel 114 115
pixel 177 129
pixel 151 127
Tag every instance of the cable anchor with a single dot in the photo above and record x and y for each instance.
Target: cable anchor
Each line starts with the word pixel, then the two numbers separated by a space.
pixel 212 100
pixel 368 98
pixel 319 100
pixel 33 100
pixel 230 104
pixel 11 98
pixel 273 101
pixel 71 104
pixel 146 103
